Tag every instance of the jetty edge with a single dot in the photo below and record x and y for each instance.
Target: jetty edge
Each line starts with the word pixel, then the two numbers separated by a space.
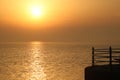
pixel 105 64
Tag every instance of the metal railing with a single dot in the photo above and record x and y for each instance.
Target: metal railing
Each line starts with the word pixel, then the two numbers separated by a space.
pixel 106 56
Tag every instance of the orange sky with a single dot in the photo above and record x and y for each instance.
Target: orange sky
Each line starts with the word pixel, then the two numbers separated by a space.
pixel 13 11
pixel 59 13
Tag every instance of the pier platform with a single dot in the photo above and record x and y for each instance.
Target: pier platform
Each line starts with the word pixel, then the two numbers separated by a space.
pixel 105 65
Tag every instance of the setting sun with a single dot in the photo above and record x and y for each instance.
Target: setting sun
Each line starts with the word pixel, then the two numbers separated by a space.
pixel 36 11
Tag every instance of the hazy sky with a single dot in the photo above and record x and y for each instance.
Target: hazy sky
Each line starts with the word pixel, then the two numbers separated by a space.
pixel 89 21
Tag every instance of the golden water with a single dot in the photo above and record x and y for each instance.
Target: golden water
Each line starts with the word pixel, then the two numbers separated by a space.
pixel 28 61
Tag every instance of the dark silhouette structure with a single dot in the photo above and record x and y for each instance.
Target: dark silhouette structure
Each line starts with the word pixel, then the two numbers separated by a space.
pixel 105 64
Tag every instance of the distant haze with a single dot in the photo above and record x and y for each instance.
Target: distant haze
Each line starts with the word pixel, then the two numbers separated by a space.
pixel 85 21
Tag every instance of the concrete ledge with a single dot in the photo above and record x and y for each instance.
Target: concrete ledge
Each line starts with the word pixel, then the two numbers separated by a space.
pixel 103 72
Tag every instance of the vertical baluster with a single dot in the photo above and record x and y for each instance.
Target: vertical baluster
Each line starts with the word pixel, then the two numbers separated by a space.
pixel 110 55
pixel 93 56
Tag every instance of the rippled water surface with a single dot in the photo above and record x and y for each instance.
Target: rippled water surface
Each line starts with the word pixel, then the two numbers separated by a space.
pixel 43 61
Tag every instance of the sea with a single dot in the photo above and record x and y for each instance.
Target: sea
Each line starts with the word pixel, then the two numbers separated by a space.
pixel 44 61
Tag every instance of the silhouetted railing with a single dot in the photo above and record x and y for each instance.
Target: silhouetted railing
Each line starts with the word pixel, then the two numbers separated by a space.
pixel 105 56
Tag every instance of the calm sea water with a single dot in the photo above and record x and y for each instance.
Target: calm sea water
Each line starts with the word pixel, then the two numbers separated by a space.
pixel 43 61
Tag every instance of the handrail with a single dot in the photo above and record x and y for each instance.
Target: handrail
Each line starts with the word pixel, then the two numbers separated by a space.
pixel 111 54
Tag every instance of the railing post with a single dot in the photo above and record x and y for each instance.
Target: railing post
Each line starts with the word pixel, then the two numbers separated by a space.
pixel 93 50
pixel 110 54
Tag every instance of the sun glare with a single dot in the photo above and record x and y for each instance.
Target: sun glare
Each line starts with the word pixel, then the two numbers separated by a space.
pixel 36 42
pixel 36 11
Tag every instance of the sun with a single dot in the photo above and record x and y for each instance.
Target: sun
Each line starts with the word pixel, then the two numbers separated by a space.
pixel 36 11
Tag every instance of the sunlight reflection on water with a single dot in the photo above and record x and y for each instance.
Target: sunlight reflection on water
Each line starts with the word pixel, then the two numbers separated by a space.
pixel 37 71
pixel 43 61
